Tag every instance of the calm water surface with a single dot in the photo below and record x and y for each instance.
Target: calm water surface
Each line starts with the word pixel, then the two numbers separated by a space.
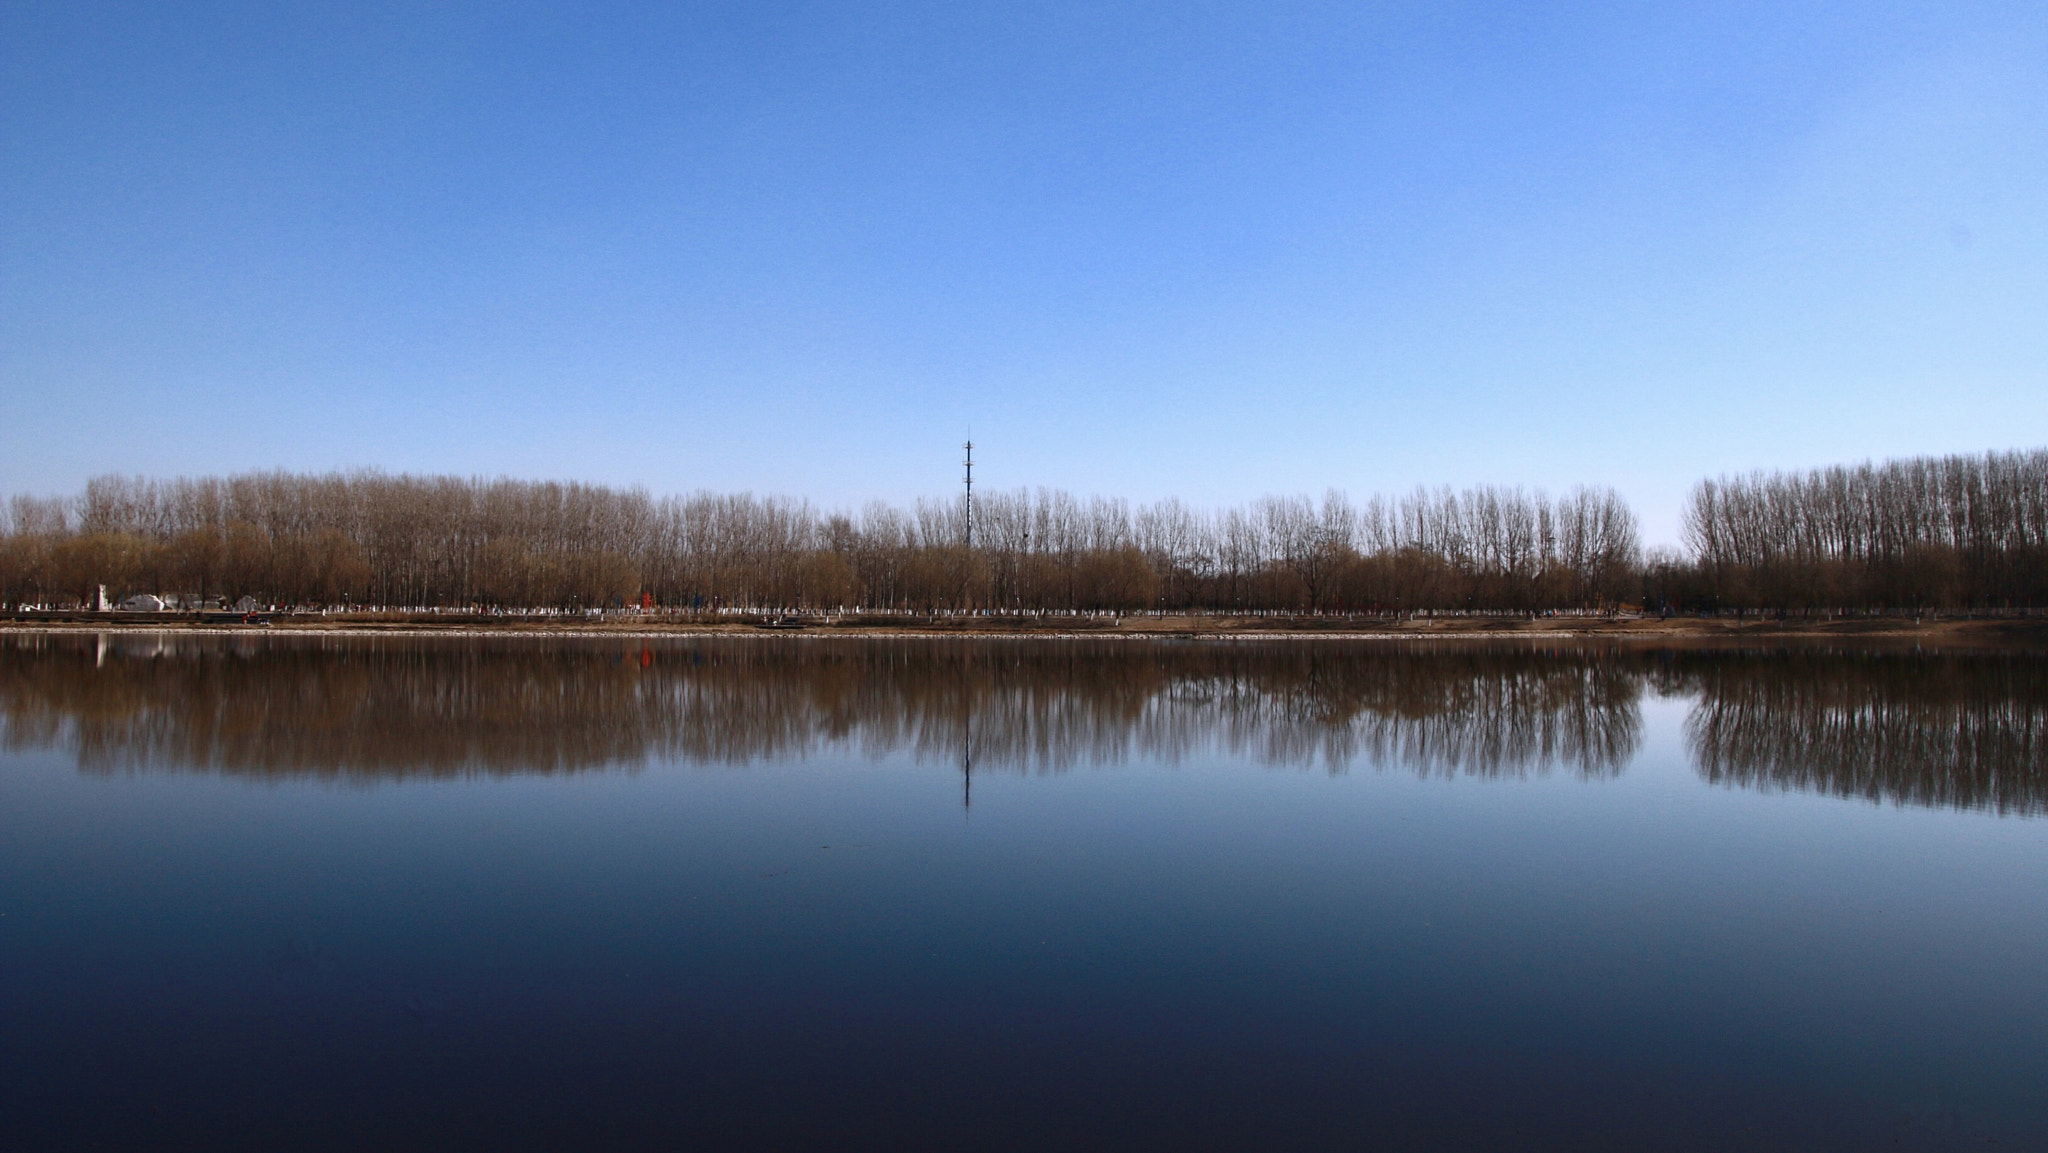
pixel 779 892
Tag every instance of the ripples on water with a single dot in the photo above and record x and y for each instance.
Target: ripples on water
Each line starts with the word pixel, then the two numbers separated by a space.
pixel 1966 731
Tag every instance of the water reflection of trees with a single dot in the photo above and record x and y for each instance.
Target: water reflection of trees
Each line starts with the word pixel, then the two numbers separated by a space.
pixel 1965 732
pixel 1962 731
pixel 369 709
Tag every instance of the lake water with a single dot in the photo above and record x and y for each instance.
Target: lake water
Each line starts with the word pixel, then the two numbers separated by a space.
pixel 772 892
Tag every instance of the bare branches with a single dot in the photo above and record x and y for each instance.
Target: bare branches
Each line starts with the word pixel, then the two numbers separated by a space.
pixel 1925 532
pixel 1969 531
pixel 367 538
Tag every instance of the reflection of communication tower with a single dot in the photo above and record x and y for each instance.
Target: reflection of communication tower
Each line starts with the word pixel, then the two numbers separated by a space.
pixel 970 494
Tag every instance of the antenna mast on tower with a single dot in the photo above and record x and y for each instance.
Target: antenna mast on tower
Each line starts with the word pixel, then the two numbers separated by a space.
pixel 970 494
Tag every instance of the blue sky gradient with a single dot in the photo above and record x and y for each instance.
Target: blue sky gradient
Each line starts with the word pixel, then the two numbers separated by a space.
pixel 1206 250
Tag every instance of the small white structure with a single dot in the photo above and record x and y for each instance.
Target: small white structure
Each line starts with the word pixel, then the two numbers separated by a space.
pixel 142 603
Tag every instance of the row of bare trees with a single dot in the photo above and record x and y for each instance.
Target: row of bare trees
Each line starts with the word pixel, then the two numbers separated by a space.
pixel 1953 532
pixel 1926 532
pixel 368 538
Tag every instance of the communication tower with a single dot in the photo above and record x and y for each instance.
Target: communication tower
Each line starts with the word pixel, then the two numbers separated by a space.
pixel 970 494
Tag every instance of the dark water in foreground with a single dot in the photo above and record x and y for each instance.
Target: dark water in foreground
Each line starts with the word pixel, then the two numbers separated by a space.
pixel 292 893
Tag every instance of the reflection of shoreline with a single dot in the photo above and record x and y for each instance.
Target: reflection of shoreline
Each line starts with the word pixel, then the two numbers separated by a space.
pixel 1940 731
pixel 333 707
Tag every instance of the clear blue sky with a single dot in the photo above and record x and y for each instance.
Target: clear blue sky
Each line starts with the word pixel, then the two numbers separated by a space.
pixel 1213 251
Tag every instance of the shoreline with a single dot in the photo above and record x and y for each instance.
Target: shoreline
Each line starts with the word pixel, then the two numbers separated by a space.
pixel 1884 632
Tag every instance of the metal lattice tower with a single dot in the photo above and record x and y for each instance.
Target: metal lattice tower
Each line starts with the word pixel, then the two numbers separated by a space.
pixel 970 494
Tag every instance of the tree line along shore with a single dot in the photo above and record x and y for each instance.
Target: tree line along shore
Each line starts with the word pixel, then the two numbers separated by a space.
pixel 1956 534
